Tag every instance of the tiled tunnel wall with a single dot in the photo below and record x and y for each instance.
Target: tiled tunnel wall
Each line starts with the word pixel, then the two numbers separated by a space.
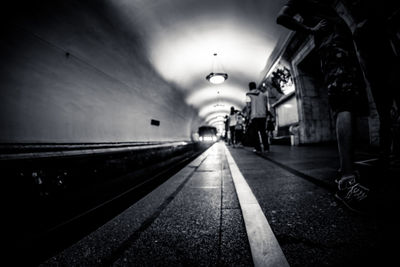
pixel 72 71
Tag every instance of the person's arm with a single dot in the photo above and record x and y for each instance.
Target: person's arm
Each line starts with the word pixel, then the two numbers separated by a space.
pixel 286 19
pixel 266 102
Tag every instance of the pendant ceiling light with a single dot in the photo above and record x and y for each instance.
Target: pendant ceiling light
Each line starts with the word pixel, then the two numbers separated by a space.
pixel 216 77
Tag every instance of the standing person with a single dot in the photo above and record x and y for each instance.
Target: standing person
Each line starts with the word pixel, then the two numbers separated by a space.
pixel 270 126
pixel 232 125
pixel 226 123
pixel 343 80
pixel 374 35
pixel 246 139
pixel 239 128
pixel 257 106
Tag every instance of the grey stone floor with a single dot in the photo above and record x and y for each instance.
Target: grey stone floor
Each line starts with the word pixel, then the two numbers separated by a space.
pixel 194 218
pixel 294 186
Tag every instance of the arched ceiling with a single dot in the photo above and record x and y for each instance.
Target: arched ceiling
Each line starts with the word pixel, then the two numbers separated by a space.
pixel 181 37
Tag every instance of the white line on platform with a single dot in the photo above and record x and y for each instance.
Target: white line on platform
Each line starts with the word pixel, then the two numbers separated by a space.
pixel 265 249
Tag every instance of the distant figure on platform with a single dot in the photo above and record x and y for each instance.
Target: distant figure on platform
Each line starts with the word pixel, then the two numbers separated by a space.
pixel 227 135
pixel 246 140
pixel 343 80
pixel 239 128
pixel 257 108
pixel 232 125
pixel 270 126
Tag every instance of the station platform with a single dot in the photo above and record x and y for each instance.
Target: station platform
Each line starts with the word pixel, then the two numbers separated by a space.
pixel 232 207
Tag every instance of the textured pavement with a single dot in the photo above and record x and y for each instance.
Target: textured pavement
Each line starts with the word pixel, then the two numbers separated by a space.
pixel 294 186
pixel 194 218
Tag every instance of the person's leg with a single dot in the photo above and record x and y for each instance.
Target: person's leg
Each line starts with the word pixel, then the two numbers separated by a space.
pixel 233 137
pixel 238 136
pixel 383 102
pixel 371 63
pixel 250 138
pixel 351 192
pixel 343 82
pixel 263 133
pixel 344 133
pixel 256 126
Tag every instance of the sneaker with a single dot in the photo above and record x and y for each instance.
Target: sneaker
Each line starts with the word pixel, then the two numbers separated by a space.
pixel 346 181
pixel 353 195
pixel 258 152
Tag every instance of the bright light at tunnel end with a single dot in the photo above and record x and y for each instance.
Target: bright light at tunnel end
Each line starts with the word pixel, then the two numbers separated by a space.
pixel 208 138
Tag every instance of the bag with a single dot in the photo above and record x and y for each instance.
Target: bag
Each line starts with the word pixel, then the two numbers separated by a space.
pixel 238 127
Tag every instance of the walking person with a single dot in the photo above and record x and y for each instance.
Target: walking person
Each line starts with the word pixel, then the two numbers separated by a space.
pixel 227 134
pixel 232 125
pixel 257 107
pixel 270 126
pixel 343 80
pixel 239 128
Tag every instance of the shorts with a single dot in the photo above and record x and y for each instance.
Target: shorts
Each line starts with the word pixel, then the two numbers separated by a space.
pixel 343 79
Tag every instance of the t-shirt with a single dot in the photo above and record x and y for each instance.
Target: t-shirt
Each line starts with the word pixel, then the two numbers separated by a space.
pixel 240 122
pixel 232 119
pixel 258 104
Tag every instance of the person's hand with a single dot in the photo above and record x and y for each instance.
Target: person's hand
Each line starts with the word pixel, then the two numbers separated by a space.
pixel 361 24
pixel 320 27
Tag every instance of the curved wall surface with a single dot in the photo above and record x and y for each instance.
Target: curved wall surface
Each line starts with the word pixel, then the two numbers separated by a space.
pixel 73 72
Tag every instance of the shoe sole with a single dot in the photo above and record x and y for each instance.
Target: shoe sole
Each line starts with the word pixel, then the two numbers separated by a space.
pixel 348 206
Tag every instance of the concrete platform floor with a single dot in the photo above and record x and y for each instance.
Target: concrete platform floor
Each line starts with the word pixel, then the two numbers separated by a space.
pixel 195 218
pixel 295 188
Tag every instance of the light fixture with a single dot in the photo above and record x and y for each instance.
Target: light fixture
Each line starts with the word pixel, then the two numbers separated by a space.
pixel 218 102
pixel 219 105
pixel 216 77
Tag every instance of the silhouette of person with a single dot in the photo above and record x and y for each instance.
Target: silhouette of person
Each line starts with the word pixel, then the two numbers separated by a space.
pixel 232 125
pixel 257 108
pixel 373 38
pixel 239 128
pixel 270 126
pixel 227 134
pixel 343 80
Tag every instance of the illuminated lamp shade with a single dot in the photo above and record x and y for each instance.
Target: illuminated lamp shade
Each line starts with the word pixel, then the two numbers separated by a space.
pixel 217 78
